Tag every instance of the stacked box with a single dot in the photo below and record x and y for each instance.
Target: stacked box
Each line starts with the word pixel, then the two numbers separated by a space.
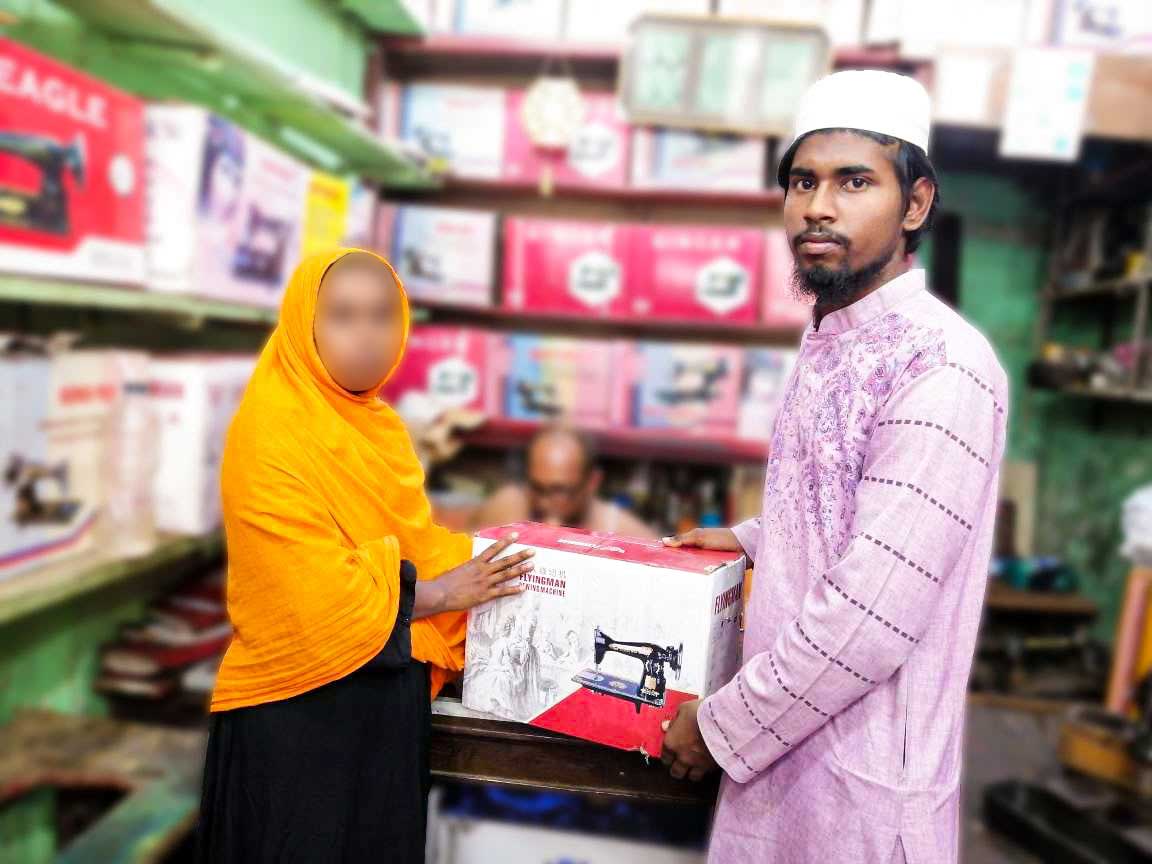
pixel 609 638
pixel 681 159
pixel 458 128
pixel 444 367
pixel 445 255
pixel 544 379
pixel 767 372
pixel 691 388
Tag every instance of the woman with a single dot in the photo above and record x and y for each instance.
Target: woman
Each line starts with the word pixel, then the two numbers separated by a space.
pixel 347 601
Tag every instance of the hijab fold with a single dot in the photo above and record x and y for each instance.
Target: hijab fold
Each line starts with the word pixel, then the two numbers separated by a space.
pixel 323 496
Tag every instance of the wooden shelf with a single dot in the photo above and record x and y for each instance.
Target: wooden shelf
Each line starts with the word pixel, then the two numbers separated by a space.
pixel 1124 285
pixel 1109 394
pixel 574 325
pixel 49 292
pixel 772 199
pixel 1002 598
pixel 32 590
pixel 630 443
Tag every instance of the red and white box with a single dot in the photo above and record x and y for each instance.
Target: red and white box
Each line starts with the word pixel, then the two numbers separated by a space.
pixel 597 157
pixel 567 267
pixel 694 389
pixel 781 307
pixel 71 172
pixel 609 638
pixel 445 255
pixel 691 273
pixel 705 161
pixel 444 367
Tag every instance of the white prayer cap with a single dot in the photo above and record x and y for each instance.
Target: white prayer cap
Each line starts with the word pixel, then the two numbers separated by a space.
pixel 869 100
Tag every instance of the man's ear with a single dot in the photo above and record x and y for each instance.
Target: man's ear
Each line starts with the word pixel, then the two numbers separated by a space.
pixel 919 204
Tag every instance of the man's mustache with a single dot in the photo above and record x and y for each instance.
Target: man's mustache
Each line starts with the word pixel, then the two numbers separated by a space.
pixel 819 237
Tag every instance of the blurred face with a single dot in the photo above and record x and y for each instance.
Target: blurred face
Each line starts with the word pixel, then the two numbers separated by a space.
pixel 561 486
pixel 359 326
pixel 845 215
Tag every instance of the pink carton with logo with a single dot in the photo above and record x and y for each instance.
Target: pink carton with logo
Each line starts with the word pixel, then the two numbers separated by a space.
pixel 444 367
pixel 692 273
pixel 597 156
pixel 780 306
pixel 567 267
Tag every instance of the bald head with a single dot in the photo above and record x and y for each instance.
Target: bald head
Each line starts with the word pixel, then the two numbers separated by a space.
pixel 562 476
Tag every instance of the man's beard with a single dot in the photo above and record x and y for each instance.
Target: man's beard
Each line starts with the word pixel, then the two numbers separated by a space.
pixel 836 287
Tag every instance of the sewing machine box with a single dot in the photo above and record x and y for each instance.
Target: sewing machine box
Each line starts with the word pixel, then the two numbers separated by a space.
pixel 326 211
pixel 681 159
pixel 596 157
pixel 549 378
pixel 54 452
pixel 607 24
pixel 526 19
pixel 767 372
pixel 458 128
pixel 696 273
pixel 71 172
pixel 567 267
pixel 780 306
pixel 610 636
pixel 692 388
pixel 225 208
pixel 444 367
pixel 195 397
pixel 445 255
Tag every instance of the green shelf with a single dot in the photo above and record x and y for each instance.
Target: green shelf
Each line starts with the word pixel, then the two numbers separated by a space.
pixel 32 590
pixel 18 289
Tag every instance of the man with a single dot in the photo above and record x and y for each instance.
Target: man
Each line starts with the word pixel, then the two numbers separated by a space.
pixel 841 735
pixel 563 482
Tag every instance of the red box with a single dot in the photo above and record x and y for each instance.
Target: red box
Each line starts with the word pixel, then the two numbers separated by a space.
pixel 780 306
pixel 574 268
pixel 444 367
pixel 71 172
pixel 597 157
pixel 692 273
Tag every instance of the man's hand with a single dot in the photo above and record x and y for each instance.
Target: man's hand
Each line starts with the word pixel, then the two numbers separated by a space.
pixel 684 749
pixel 718 539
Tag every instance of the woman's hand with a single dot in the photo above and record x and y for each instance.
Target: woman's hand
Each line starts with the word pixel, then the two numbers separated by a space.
pixel 717 539
pixel 484 578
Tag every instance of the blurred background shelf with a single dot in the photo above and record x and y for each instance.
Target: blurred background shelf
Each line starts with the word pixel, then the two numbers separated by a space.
pixel 1109 394
pixel 772 199
pixel 49 292
pixel 37 589
pixel 631 443
pixel 1002 598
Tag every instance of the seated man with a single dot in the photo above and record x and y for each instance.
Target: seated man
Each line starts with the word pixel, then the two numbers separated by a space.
pixel 562 487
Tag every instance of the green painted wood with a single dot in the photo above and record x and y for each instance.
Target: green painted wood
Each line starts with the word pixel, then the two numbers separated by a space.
pixel 383 16
pixel 26 829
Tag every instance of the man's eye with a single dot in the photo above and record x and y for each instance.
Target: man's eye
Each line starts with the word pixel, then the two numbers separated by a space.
pixel 857 183
pixel 804 183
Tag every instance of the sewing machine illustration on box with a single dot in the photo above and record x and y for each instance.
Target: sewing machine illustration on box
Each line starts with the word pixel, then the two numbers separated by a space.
pixel 28 479
pixel 44 209
pixel 649 690
pixel 694 382
pixel 260 255
pixel 540 397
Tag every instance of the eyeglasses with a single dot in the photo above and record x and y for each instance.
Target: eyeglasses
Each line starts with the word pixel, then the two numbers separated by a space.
pixel 556 490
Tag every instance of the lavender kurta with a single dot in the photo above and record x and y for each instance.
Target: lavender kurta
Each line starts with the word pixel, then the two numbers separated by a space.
pixel 841 735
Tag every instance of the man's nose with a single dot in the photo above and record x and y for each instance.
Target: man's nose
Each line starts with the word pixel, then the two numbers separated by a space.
pixel 820 209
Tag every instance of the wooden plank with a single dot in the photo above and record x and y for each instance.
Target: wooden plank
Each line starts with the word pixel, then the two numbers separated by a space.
pixel 1001 598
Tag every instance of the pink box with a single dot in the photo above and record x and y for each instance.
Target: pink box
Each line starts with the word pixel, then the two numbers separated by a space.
pixel 574 268
pixel 444 367
pixel 548 378
pixel 780 307
pixel 597 157
pixel 692 388
pixel 693 273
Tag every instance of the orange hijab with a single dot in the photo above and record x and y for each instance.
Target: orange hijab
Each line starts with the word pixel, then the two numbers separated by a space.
pixel 323 496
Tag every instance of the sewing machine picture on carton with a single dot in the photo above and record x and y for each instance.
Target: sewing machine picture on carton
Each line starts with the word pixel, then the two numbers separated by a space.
pixel 649 690
pixel 44 208
pixel 552 655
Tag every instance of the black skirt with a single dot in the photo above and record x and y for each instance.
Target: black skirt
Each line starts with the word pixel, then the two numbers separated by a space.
pixel 338 774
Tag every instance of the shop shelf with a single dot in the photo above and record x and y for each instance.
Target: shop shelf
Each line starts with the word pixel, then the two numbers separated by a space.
pixel 631 443
pixel 32 590
pixel 766 198
pixel 571 325
pixel 1123 285
pixel 48 292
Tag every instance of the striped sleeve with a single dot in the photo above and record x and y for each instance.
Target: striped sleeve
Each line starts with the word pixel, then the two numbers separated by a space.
pixel 933 458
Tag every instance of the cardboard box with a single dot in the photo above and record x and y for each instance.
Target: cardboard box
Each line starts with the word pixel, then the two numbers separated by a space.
pixel 195 397
pixel 325 213
pixel 542 378
pixel 691 388
pixel 445 255
pixel 781 307
pixel 128 526
pixel 444 367
pixel 597 156
pixel 523 19
pixel 225 208
pixel 607 23
pixel 842 20
pixel 71 172
pixel 458 128
pixel 360 229
pixel 680 159
pixel 53 482
pixel 767 372
pixel 567 267
pixel 610 637
pixel 694 273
